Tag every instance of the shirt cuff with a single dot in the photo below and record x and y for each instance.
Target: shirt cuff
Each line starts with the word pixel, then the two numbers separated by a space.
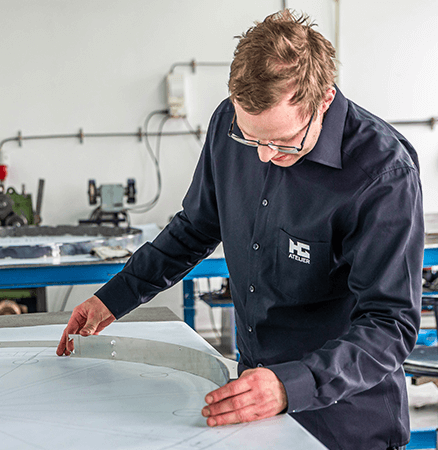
pixel 115 296
pixel 298 382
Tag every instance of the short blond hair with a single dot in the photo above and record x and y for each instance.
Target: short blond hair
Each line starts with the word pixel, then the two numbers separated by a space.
pixel 281 54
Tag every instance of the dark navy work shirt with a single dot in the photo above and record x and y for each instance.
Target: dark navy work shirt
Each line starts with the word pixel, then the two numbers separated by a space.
pixel 325 261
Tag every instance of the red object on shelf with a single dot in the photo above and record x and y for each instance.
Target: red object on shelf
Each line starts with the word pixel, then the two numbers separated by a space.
pixel 3 172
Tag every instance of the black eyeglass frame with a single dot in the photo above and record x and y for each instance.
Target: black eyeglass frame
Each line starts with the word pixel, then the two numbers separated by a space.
pixel 289 149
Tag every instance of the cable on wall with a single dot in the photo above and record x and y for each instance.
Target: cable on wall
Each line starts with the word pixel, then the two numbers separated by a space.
pixel 155 157
pixel 140 209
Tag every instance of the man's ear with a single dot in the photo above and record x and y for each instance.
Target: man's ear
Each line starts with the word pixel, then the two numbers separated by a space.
pixel 327 100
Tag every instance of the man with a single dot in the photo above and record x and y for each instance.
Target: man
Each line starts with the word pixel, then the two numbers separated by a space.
pixel 318 205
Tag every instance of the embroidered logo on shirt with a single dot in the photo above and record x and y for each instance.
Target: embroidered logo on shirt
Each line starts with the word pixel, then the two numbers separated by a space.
pixel 299 251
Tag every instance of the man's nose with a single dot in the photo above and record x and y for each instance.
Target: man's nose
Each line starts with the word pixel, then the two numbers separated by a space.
pixel 266 153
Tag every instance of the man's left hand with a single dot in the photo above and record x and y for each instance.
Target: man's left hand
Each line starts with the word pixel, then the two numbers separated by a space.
pixel 257 394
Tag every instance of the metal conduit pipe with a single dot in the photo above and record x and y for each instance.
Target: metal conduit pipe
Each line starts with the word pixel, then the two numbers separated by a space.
pixel 140 134
pixel 193 64
pixel 81 135
pixel 430 122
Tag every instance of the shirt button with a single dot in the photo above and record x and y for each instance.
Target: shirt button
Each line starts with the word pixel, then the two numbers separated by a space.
pixel 259 365
pixel 252 288
pixel 265 202
pixel 250 329
pixel 256 246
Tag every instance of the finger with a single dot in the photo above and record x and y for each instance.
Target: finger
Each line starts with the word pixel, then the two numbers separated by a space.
pixel 230 404
pixel 90 317
pixel 62 346
pixel 66 345
pixel 247 414
pixel 232 389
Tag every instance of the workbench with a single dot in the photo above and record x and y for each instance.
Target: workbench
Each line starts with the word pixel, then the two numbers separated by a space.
pixel 88 269
pixel 114 403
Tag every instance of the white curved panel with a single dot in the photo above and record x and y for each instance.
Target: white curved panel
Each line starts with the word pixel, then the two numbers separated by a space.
pixel 52 403
pixel 49 402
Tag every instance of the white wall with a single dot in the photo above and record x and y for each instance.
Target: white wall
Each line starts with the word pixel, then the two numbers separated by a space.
pixel 389 54
pixel 100 65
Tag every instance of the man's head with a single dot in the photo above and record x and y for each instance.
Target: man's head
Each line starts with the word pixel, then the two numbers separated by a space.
pixel 281 85
pixel 283 54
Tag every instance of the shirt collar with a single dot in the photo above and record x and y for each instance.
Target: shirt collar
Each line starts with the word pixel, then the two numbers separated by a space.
pixel 328 147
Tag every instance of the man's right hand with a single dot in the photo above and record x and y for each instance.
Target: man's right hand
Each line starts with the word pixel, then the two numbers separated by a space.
pixel 90 317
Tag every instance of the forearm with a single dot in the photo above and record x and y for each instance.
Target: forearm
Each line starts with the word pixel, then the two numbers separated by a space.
pixel 344 367
pixel 156 266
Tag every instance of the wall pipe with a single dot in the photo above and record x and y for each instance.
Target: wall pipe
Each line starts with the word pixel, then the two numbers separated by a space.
pixel 140 134
pixel 81 136
pixel 430 122
pixel 193 64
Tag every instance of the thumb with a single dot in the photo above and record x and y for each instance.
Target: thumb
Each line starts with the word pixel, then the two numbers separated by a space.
pixel 90 326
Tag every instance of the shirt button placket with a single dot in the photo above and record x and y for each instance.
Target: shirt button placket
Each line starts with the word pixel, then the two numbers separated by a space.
pixel 251 290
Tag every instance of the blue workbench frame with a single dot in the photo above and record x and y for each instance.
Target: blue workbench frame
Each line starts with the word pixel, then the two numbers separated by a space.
pixel 99 272
pixel 209 268
pixel 12 277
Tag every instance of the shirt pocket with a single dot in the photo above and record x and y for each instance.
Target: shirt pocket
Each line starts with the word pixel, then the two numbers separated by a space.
pixel 302 268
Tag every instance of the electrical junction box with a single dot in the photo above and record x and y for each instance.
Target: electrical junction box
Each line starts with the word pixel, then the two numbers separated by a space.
pixel 175 94
pixel 112 197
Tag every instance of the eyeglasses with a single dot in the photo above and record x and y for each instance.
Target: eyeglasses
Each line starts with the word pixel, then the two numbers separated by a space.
pixel 292 150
